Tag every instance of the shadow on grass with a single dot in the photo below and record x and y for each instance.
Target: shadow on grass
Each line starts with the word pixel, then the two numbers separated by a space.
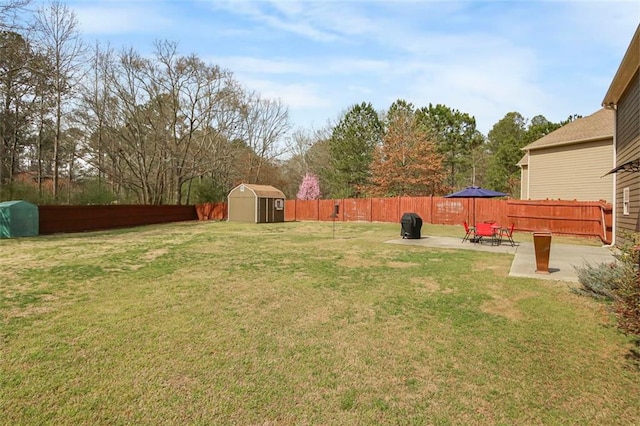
pixel 634 355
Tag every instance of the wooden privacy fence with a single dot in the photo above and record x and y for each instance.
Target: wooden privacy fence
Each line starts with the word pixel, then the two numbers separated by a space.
pixel 584 218
pixel 564 217
pixel 59 219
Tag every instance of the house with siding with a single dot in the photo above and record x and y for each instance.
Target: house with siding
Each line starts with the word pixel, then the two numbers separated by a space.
pixel 623 98
pixel 569 163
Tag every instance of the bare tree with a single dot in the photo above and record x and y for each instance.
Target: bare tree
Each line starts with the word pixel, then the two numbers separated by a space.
pixel 15 88
pixel 57 31
pixel 133 155
pixel 9 13
pixel 264 123
pixel 44 105
pixel 198 102
pixel 176 117
pixel 298 145
pixel 23 76
pixel 96 112
pixel 308 152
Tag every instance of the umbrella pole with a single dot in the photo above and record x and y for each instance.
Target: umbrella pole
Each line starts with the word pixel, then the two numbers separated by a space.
pixel 474 211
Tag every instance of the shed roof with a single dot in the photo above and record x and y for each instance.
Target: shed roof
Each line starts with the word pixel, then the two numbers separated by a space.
pixel 627 69
pixel 16 202
pixel 264 191
pixel 597 126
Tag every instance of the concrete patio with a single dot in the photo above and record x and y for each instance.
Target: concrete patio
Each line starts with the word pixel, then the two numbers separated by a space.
pixel 563 258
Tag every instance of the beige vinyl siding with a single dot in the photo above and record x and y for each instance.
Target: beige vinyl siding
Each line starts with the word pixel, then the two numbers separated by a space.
pixel 242 206
pixel 524 182
pixel 627 223
pixel 242 210
pixel 628 116
pixel 572 172
pixel 628 149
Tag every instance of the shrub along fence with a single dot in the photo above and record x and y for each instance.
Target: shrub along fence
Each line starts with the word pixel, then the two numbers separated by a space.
pixel 583 218
pixel 211 211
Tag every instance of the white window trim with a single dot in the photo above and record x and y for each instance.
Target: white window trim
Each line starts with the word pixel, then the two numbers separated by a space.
pixel 625 201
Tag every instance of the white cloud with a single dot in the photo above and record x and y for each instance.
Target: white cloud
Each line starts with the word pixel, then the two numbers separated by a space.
pixel 295 95
pixel 112 18
pixel 255 65
pixel 280 16
pixel 319 57
pixel 313 67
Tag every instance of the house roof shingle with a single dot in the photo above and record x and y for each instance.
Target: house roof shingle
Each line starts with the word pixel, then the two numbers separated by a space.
pixel 596 126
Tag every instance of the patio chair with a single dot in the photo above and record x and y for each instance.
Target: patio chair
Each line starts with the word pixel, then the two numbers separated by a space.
pixel 470 231
pixel 487 230
pixel 508 232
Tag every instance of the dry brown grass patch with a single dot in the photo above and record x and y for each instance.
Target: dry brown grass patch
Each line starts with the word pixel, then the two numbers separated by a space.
pixel 424 284
pixel 402 265
pixel 154 254
pixel 500 265
pixel 503 307
pixel 31 310
pixel 355 261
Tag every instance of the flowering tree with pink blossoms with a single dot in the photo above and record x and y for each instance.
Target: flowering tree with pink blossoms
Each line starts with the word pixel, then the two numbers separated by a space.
pixel 309 188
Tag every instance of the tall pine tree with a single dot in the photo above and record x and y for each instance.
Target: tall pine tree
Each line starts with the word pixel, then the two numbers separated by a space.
pixel 351 148
pixel 456 138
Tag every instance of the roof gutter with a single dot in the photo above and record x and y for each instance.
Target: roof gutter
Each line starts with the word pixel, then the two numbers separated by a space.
pixel 587 140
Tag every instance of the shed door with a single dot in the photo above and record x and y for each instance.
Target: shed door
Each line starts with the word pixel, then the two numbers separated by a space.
pixel 262 210
pixel 271 208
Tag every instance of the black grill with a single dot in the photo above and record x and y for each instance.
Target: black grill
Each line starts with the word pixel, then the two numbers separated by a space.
pixel 411 226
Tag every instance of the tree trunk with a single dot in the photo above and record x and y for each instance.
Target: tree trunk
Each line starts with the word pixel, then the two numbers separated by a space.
pixel 40 131
pixel 56 145
pixel 70 177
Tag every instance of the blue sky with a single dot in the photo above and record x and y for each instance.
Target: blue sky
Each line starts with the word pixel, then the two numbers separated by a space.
pixel 486 58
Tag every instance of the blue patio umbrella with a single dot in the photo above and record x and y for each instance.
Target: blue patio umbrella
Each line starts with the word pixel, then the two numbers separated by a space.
pixel 476 192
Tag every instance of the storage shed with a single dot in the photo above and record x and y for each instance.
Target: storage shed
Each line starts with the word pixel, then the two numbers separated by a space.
pixel 18 219
pixel 255 204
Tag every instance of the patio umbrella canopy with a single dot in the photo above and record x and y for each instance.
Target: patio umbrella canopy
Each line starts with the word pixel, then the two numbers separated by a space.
pixel 476 192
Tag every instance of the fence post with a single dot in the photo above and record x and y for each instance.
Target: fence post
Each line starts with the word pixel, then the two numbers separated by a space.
pixel 431 209
pixel 370 209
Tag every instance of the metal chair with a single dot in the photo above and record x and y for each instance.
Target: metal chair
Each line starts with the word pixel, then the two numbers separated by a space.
pixel 469 231
pixel 508 232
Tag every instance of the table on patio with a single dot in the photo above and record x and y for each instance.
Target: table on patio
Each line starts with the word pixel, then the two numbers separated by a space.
pixel 487 230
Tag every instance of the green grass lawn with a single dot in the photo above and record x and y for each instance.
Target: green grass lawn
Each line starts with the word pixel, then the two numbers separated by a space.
pixel 225 323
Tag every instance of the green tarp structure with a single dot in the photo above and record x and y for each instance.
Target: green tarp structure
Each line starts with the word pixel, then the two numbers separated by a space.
pixel 18 219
